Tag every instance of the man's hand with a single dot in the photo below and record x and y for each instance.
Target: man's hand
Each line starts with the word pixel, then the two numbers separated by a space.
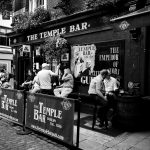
pixel 58 66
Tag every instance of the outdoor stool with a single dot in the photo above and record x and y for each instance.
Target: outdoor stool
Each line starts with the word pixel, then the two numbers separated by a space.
pixel 85 98
pixel 88 99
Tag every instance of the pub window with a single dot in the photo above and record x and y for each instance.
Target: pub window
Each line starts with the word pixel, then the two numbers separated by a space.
pixel 39 3
pixel 3 41
pixel 34 4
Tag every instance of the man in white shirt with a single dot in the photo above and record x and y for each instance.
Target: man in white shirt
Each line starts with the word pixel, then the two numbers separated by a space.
pixel 96 91
pixel 110 84
pixel 44 77
pixel 111 89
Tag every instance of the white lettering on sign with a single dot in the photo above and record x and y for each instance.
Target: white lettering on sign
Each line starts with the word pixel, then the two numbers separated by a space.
pixel 108 57
pixel 56 32
pixel 42 112
pixel 8 103
pixel 78 27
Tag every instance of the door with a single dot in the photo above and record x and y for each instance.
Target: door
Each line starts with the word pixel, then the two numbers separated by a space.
pixel 24 64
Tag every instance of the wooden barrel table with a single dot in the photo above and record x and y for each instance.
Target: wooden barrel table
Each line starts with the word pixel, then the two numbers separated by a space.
pixel 130 112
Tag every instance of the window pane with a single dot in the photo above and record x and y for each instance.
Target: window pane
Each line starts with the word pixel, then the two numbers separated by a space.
pixel 3 41
pixel 40 2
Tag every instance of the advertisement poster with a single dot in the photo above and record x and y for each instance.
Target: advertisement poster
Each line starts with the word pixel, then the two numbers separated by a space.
pixel 51 115
pixel 12 105
pixel 83 59
pixel 110 55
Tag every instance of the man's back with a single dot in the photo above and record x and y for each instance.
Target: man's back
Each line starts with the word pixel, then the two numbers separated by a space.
pixel 44 77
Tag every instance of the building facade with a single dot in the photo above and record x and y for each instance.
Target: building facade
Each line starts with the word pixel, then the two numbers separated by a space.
pixel 110 37
pixel 6 55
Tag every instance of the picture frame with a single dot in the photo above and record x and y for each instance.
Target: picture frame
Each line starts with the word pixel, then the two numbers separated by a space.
pixel 3 65
pixel 65 57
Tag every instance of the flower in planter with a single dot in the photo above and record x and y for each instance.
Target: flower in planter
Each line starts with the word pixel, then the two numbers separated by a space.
pixel 96 4
pixel 20 22
pixel 65 6
pixel 61 42
pixel 26 21
pixel 54 47
pixel 39 16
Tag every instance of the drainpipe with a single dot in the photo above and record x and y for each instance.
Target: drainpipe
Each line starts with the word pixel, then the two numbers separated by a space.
pixel 145 91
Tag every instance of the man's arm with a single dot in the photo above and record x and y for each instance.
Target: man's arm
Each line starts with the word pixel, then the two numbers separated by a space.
pixel 66 77
pixel 57 71
pixel 98 90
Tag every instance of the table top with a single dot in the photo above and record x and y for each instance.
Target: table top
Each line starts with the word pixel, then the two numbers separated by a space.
pixel 146 98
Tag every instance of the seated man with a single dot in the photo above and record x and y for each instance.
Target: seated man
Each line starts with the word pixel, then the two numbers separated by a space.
pixel 27 84
pixel 96 90
pixel 67 87
pixel 111 89
pixel 35 85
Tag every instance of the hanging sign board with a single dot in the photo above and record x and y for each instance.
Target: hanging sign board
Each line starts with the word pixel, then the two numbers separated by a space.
pixel 26 48
pixel 6 15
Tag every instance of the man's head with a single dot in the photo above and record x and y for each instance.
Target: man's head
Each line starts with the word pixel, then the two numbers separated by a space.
pixel 67 70
pixel 108 76
pixel 45 66
pixel 104 73
pixel 29 72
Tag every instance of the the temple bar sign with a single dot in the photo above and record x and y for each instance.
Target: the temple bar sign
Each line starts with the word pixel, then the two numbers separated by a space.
pixel 59 31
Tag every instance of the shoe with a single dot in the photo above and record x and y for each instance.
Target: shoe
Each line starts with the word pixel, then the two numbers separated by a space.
pixel 101 125
pixel 105 127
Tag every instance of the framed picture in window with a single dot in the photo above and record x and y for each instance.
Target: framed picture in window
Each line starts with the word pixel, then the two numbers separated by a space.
pixel 3 66
pixel 65 57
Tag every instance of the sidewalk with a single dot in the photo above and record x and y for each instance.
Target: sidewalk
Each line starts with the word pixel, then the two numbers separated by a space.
pixel 89 140
pixel 92 140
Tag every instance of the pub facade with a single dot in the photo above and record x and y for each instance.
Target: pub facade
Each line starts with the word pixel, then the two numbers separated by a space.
pixel 99 39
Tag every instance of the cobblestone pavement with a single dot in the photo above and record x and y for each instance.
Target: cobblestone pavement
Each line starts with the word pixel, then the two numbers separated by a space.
pixel 89 140
pixel 10 140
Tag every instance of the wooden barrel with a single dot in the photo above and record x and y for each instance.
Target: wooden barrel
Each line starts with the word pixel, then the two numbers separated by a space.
pixel 130 112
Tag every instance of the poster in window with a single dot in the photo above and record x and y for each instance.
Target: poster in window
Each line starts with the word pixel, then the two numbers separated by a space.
pixel 110 55
pixel 83 59
pixel 65 57
pixel 3 66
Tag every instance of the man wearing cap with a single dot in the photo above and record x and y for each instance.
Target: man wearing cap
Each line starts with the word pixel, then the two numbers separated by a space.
pixel 44 78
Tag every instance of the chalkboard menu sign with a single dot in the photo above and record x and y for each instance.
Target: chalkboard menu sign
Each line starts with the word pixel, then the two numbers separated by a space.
pixel 110 55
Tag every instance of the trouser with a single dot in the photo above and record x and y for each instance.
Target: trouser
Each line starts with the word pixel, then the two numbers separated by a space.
pixel 112 103
pixel 102 110
pixel 62 92
pixel 47 91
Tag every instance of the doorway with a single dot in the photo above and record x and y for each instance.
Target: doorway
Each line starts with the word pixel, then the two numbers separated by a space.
pixel 24 64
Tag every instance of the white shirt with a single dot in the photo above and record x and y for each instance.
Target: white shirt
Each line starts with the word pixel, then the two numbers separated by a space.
pixel 44 77
pixel 96 84
pixel 110 85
